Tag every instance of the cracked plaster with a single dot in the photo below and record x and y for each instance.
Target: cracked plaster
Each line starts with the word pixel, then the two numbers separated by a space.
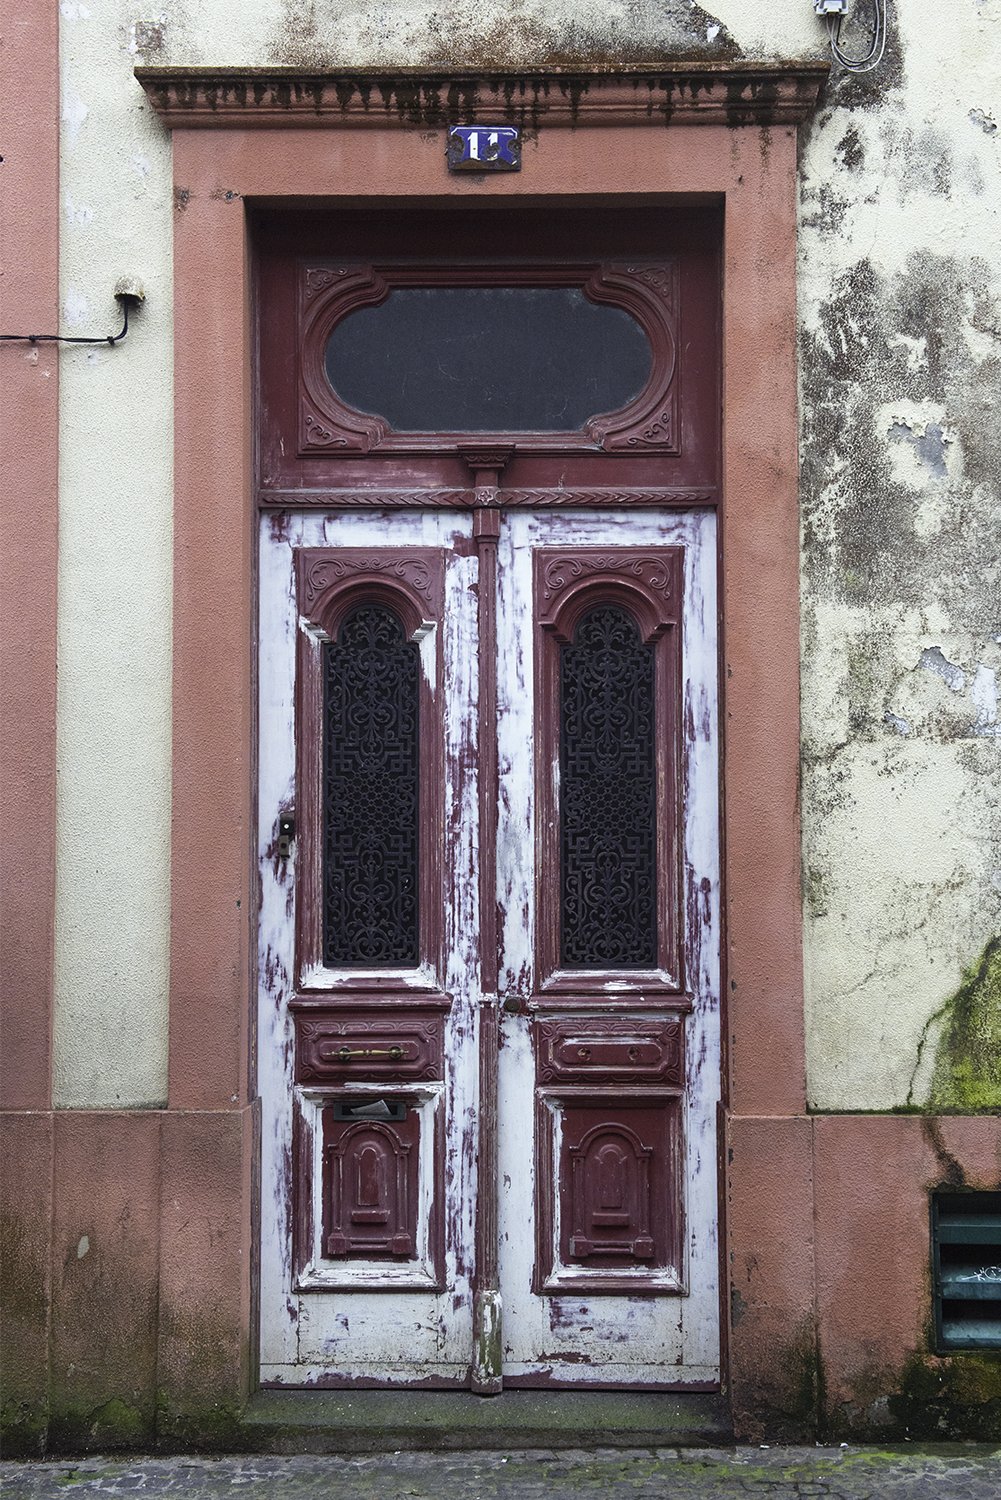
pixel 900 323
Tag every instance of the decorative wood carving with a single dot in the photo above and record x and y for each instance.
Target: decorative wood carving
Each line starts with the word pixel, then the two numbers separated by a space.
pixel 600 1049
pixel 330 583
pixel 619 1175
pixel 330 579
pixel 647 586
pixel 607 1203
pixel 386 1047
pixel 731 92
pixel 449 499
pixel 370 1186
pixel 655 572
pixel 649 291
pixel 607 499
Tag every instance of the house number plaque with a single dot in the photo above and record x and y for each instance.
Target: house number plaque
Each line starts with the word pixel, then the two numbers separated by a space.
pixel 484 148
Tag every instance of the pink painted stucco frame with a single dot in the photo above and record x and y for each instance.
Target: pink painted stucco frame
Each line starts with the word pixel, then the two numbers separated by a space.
pixel 218 174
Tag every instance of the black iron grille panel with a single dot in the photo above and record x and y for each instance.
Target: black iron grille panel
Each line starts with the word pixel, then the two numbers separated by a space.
pixel 370 792
pixel 607 796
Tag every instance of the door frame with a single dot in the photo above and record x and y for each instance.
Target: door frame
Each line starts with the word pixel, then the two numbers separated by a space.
pixel 679 136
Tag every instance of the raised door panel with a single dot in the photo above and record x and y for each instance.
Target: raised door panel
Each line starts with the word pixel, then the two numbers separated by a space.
pixel 609 949
pixel 367 957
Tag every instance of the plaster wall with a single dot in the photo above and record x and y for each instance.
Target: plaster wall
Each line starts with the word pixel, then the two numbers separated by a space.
pixel 900 312
pixel 900 380
pixel 114 600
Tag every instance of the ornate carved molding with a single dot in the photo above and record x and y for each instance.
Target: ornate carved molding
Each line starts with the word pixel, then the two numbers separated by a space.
pixel 560 572
pixel 635 1050
pixel 387 499
pixel 348 1048
pixel 648 582
pixel 650 292
pixel 609 498
pixel 729 92
pixel 328 578
pixel 647 290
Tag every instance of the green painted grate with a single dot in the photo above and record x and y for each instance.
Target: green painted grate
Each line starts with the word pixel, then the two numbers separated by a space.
pixel 966 1263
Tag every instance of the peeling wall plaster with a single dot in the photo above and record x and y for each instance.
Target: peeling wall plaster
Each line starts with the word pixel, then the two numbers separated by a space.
pixel 900 317
pixel 900 309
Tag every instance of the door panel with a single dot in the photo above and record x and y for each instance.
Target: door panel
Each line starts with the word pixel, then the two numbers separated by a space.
pixel 620 1283
pixel 367 1219
pixel 375 1051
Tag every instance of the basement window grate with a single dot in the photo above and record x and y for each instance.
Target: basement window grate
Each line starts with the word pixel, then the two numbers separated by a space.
pixel 966 1251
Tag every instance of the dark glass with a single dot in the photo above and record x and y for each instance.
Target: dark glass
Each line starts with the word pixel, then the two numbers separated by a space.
pixel 488 359
pixel 608 798
pixel 370 792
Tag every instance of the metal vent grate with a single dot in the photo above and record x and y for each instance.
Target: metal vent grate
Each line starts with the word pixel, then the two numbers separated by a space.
pixel 966 1246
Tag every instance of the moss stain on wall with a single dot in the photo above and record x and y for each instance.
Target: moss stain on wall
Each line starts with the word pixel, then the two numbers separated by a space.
pixel 967 1074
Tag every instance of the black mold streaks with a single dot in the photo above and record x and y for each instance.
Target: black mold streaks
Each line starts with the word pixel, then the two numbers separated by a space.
pixel 903 339
pixel 850 151
pixel 316 34
pixel 867 91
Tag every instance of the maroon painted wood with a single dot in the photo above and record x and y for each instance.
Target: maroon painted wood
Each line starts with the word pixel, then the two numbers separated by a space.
pixel 370 1187
pixel 343 1049
pixel 330 582
pixel 619 1179
pixel 588 1049
pixel 661 263
pixel 486 1378
pixel 610 1067
pixel 646 289
pixel 648 584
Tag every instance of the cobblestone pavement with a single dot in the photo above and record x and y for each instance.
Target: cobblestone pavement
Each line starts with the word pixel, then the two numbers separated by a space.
pixel 960 1473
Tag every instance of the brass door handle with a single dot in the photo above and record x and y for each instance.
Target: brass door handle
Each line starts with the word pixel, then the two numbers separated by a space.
pixel 346 1054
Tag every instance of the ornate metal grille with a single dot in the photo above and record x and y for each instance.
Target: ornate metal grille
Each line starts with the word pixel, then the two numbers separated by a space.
pixel 607 796
pixel 370 792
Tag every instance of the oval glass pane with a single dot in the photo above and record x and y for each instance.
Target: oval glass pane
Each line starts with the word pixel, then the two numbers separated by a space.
pixel 488 359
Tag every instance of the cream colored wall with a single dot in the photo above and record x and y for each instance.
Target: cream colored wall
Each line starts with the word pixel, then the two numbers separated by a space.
pixel 114 622
pixel 900 312
pixel 900 309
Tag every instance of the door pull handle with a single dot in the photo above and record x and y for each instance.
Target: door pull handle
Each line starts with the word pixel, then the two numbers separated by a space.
pixel 348 1054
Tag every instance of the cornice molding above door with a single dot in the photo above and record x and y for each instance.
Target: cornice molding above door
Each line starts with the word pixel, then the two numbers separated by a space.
pixel 677 92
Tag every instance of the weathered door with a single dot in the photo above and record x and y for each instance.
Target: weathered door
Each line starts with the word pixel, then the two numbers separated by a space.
pixel 488 1033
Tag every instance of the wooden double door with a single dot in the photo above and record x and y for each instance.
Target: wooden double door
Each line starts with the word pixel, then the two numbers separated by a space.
pixel 488 1023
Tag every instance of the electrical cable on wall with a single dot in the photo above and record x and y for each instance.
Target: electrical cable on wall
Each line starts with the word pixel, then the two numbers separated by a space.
pixel 834 12
pixel 129 292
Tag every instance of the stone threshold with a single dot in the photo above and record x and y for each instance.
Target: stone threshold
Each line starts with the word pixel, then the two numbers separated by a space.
pixel 378 1421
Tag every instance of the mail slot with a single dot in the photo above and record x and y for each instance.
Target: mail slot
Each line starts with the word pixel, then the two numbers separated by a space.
pixel 370 1109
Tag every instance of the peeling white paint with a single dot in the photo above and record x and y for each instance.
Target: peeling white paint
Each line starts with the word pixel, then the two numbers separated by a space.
pixel 679 1333
pixel 933 660
pixel 984 692
pixel 348 1318
pixel 897 723
pixel 340 1316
